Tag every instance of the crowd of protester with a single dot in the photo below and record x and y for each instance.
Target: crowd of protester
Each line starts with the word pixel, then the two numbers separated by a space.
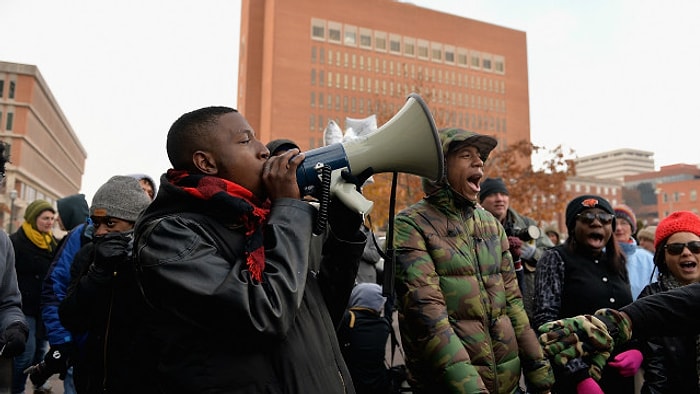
pixel 219 280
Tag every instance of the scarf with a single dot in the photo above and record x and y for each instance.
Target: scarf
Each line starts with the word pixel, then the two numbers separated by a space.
pixel 670 282
pixel 239 202
pixel 41 240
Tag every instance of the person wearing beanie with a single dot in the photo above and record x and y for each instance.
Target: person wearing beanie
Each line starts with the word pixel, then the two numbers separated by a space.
pixel 670 362
pixel 646 237
pixel 34 246
pixel 586 273
pixel 103 301
pixel 281 145
pixel 526 250
pixel 238 302
pixel 453 273
pixel 640 262
pixel 73 213
pixel 363 333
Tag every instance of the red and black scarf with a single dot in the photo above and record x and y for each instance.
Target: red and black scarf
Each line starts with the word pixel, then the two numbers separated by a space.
pixel 239 202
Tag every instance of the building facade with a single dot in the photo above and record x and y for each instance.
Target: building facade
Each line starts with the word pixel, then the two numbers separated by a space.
pixel 615 164
pixel 304 63
pixel 47 160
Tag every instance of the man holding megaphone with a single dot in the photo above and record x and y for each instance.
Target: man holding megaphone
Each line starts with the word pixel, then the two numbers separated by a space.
pixel 236 302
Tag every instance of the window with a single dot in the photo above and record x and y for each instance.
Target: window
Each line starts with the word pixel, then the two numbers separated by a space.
pixel 449 54
pixel 350 36
pixel 11 92
pixel 320 102
pixel 334 32
pixel 2 87
pixel 395 44
pixel 10 119
pixel 380 41
pixel 476 60
pixel 423 49
pixel 409 47
pixel 313 76
pixel 313 99
pixel 436 52
pixel 313 54
pixel 499 64
pixel 365 38
pixel 318 30
pixel 312 122
pixel 321 55
pixel 321 78
pixel 486 63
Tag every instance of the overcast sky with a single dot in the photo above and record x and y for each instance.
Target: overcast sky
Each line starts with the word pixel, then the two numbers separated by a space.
pixel 604 74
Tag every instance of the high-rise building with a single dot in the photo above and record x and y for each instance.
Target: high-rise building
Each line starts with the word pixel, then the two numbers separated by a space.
pixel 615 164
pixel 304 63
pixel 47 160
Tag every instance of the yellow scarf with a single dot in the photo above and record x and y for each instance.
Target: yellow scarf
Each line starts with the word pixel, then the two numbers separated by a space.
pixel 41 240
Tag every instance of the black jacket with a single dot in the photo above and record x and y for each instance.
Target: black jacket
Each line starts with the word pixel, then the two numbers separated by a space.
pixel 670 363
pixel 32 263
pixel 212 329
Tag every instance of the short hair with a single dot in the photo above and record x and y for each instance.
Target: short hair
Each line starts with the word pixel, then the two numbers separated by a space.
pixel 187 133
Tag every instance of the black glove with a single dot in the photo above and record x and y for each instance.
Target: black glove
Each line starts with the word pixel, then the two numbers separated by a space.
pixel 514 247
pixel 57 359
pixel 13 339
pixel 344 222
pixel 110 250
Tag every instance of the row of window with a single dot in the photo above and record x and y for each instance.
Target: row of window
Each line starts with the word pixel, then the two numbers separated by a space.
pixel 355 106
pixel 380 41
pixel 405 70
pixel 10 89
pixel 436 96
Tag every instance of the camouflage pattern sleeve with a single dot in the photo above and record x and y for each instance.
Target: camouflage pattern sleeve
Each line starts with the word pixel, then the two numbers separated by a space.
pixel 429 340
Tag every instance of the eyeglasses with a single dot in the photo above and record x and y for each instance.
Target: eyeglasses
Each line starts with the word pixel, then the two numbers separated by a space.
pixel 676 249
pixel 589 217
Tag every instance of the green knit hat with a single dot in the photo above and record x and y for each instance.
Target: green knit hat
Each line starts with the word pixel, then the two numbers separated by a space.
pixel 35 209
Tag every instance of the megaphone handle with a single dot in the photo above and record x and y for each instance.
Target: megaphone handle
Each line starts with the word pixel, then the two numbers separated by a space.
pixel 348 194
pixel 324 199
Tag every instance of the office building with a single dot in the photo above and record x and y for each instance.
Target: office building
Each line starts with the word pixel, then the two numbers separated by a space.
pixel 304 63
pixel 615 164
pixel 47 158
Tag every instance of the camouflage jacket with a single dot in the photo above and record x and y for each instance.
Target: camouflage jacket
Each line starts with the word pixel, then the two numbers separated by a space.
pixel 463 326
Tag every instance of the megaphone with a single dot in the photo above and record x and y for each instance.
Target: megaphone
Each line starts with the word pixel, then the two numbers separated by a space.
pixel 407 143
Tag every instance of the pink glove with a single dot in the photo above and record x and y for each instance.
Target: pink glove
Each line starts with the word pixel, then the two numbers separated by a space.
pixel 588 386
pixel 628 362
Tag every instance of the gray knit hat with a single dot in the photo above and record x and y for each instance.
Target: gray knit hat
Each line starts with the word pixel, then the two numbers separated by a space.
pixel 121 197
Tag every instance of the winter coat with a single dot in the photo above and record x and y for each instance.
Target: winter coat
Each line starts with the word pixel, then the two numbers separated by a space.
pixel 670 362
pixel 640 266
pixel 461 315
pixel 213 329
pixel 32 264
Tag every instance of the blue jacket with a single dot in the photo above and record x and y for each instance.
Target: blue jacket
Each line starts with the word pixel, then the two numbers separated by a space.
pixel 58 278
pixel 640 266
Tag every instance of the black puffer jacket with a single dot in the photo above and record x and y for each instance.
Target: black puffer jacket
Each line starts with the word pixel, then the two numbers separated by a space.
pixel 670 364
pixel 212 329
pixel 32 263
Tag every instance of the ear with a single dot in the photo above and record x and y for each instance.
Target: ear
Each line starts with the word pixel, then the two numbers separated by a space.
pixel 204 162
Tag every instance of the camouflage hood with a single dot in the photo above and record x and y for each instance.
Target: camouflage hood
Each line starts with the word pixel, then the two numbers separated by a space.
pixel 453 138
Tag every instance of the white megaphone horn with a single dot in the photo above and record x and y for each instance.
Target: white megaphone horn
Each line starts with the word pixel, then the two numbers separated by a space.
pixel 408 143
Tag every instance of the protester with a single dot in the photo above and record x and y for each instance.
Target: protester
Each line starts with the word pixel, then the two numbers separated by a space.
pixel 553 235
pixel 462 320
pixel 640 262
pixel 525 249
pixel 147 184
pixel 236 304
pixel 595 336
pixel 582 275
pixel 35 247
pixel 646 236
pixel 102 300
pixel 670 362
pixel 14 330
pixel 363 335
pixel 73 212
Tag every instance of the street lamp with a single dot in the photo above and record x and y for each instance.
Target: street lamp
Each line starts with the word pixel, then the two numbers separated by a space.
pixel 13 196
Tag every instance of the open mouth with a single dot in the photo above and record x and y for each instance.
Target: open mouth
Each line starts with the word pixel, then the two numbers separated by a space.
pixel 688 264
pixel 596 236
